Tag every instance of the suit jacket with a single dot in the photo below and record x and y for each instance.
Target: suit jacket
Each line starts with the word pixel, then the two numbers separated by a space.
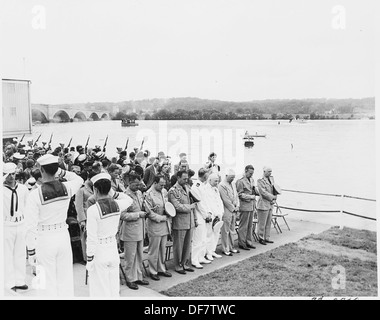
pixel 229 196
pixel 245 189
pixel 266 194
pixel 185 217
pixel 133 227
pixel 81 204
pixel 149 175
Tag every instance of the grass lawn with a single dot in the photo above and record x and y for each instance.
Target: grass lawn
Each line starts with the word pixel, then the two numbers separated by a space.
pixel 301 269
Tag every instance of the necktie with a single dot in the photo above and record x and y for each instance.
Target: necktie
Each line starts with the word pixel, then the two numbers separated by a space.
pixel 14 192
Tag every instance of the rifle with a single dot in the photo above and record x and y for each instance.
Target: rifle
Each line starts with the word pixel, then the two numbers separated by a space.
pixel 22 138
pixel 35 143
pixel 68 146
pixel 49 143
pixel 142 143
pixel 126 145
pixel 85 147
pixel 105 143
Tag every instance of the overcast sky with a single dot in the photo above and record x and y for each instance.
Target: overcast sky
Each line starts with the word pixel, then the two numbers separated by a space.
pixel 92 50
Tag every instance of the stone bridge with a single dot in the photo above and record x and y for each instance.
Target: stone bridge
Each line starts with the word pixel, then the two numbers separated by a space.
pixel 68 113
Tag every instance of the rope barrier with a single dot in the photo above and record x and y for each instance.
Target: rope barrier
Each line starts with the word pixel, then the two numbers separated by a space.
pixel 366 199
pixel 306 210
pixel 308 192
pixel 328 211
pixel 357 215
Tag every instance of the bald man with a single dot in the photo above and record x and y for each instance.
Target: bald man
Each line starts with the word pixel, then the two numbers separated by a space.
pixel 265 205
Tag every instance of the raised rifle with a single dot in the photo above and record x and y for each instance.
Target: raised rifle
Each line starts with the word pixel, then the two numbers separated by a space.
pixel 22 138
pixel 68 146
pixel 51 137
pixel 142 143
pixel 105 143
pixel 126 145
pixel 85 147
pixel 35 143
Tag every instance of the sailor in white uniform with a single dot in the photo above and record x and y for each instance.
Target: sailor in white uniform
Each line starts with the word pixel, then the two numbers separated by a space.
pixel 102 225
pixel 47 238
pixel 14 201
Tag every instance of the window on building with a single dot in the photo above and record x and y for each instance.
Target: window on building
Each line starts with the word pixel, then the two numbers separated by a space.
pixel 13 111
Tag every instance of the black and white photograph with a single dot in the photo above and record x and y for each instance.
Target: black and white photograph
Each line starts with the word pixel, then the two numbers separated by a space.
pixel 169 150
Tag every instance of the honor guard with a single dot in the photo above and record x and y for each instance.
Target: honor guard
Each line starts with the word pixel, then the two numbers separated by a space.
pixel 47 238
pixel 14 201
pixel 102 226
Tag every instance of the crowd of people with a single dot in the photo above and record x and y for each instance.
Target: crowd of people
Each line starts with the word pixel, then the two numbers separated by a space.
pixel 118 206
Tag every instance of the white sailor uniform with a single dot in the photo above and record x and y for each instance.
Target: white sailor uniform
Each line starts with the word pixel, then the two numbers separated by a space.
pixel 47 233
pixel 102 225
pixel 14 202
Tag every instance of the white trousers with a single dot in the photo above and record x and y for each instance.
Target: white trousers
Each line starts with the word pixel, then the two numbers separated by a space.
pixel 55 263
pixel 14 256
pixel 198 248
pixel 212 238
pixel 104 280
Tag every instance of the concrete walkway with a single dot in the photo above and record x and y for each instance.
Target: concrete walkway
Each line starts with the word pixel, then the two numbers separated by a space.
pixel 299 229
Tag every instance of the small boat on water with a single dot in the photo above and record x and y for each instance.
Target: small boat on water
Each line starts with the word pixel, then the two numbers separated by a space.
pixel 247 135
pixel 248 140
pixel 128 123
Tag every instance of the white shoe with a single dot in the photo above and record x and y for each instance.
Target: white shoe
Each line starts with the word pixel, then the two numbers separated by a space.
pixel 197 265
pixel 209 257
pixel 215 255
pixel 205 261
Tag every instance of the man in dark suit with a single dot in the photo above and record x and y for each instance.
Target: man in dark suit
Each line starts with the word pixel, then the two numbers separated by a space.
pixel 150 173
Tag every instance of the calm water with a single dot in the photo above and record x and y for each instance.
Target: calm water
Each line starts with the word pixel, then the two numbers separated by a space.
pixel 320 156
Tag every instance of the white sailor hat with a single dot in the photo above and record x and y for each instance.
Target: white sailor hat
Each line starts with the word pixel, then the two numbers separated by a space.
pixel 82 157
pixel 100 176
pixel 100 155
pixel 18 156
pixel 47 159
pixel 9 167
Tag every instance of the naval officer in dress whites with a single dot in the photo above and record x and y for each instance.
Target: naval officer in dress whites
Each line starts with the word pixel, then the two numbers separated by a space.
pixel 14 201
pixel 102 225
pixel 159 227
pixel 47 238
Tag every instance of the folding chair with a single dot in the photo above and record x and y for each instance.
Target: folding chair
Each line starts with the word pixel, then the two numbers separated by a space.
pixel 254 224
pixel 279 214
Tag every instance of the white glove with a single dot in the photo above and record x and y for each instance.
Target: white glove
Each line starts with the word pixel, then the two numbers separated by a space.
pixel 32 259
pixel 90 264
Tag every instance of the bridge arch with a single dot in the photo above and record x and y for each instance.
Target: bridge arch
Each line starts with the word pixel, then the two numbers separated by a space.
pixel 38 115
pixel 80 116
pixel 61 116
pixel 105 116
pixel 94 116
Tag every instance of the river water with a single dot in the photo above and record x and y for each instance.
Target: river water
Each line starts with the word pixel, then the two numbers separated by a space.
pixel 329 156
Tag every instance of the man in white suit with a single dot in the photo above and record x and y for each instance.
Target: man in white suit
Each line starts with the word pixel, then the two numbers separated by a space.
pixel 199 244
pixel 215 206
